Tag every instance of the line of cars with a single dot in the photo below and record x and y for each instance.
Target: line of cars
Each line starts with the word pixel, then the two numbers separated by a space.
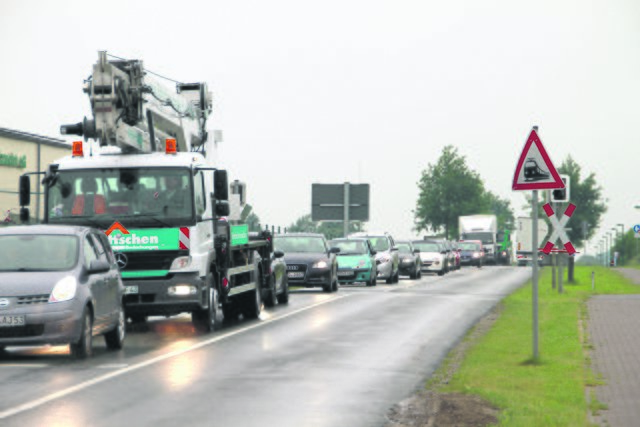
pixel 366 257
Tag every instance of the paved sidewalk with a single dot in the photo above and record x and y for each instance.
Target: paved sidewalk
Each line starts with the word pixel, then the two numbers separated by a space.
pixel 614 329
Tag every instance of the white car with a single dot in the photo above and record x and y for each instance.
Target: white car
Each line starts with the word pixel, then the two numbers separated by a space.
pixel 432 255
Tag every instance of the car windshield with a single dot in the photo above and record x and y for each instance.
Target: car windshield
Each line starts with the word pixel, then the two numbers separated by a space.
pixel 296 244
pixel 350 247
pixel 403 248
pixel 427 246
pixel 26 252
pixel 380 244
pixel 142 196
pixel 468 246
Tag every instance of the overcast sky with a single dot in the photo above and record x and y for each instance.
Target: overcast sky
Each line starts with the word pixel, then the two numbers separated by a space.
pixel 361 91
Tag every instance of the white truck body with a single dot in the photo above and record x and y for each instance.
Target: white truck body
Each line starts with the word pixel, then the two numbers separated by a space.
pixel 481 227
pixel 524 234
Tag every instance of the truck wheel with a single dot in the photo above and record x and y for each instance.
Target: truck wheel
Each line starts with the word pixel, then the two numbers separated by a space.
pixel 271 293
pixel 283 298
pixel 84 347
pixel 207 320
pixel 252 303
pixel 115 337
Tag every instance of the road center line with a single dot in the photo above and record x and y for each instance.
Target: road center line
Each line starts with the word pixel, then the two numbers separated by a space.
pixel 73 389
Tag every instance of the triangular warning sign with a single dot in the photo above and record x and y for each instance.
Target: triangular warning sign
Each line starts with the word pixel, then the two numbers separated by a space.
pixel 535 171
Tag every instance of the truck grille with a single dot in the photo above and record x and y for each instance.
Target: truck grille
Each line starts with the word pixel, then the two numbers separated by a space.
pixel 151 260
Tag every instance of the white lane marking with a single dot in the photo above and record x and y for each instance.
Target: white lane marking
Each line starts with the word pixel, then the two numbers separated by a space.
pixel 70 390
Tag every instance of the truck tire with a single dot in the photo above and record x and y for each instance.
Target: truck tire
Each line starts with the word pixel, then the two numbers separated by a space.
pixel 271 299
pixel 206 320
pixel 283 298
pixel 252 301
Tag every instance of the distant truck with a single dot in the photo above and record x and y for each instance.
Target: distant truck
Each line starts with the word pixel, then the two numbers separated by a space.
pixel 524 230
pixel 483 228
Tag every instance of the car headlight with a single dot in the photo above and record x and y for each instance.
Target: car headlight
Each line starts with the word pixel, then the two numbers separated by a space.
pixel 407 261
pixel 180 263
pixel 476 254
pixel 320 264
pixel 64 290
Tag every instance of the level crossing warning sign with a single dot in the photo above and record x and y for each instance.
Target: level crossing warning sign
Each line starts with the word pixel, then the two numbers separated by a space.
pixel 535 171
pixel 559 231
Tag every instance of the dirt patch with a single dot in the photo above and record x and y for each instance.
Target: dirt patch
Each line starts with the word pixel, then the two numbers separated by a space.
pixel 429 407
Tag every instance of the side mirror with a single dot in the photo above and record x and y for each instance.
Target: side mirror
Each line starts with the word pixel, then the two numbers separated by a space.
pixel 443 252
pixel 278 254
pixel 220 185
pixel 25 190
pixel 24 215
pixel 416 251
pixel 334 250
pixel 373 252
pixel 98 266
pixel 222 208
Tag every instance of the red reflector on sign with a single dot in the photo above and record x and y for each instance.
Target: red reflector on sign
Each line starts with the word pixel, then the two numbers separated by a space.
pixel 77 149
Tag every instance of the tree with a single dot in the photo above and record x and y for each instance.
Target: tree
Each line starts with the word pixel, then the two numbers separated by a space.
pixel 253 222
pixel 448 189
pixel 501 208
pixel 587 196
pixel 331 230
pixel 303 225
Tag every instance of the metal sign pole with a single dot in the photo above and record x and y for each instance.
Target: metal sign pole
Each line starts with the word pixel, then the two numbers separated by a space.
pixel 534 275
pixel 345 227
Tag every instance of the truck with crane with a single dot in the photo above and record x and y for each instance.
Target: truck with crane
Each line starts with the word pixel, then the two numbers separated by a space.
pixel 165 208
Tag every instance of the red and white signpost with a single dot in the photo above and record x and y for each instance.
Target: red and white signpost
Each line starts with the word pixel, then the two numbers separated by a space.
pixel 535 171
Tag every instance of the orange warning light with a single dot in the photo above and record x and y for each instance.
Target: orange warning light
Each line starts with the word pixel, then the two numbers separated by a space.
pixel 77 149
pixel 170 146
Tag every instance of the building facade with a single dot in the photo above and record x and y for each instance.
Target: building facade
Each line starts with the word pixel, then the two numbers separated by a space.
pixel 22 152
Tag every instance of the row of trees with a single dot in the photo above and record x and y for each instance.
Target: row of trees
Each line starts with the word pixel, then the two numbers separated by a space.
pixel 449 189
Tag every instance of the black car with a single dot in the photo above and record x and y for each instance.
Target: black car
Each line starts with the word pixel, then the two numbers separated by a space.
pixel 310 261
pixel 409 263
pixel 471 252
pixel 59 285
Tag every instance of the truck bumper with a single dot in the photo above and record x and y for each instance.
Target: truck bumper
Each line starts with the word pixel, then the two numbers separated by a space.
pixel 155 297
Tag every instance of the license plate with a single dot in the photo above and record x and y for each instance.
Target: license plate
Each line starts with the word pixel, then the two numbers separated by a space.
pixel 12 321
pixel 130 290
pixel 295 274
pixel 345 273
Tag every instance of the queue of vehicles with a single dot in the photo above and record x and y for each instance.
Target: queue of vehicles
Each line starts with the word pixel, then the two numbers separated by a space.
pixel 155 234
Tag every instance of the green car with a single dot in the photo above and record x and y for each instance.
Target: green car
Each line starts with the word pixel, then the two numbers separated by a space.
pixel 356 261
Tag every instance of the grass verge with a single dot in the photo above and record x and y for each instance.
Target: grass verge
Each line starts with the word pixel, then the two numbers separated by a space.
pixel 551 389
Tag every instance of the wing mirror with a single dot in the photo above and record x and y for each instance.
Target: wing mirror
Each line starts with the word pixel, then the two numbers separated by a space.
pixel 278 254
pixel 334 250
pixel 98 266
pixel 373 252
pixel 222 208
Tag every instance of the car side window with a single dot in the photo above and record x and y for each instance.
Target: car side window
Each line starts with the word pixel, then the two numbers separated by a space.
pixel 90 253
pixel 200 198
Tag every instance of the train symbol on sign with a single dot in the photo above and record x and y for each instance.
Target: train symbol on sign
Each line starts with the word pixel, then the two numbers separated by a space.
pixel 533 172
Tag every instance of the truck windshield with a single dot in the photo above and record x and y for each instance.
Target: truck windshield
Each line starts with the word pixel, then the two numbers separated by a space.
pixel 146 197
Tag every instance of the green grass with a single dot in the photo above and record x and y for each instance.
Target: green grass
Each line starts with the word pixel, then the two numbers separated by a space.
pixel 549 391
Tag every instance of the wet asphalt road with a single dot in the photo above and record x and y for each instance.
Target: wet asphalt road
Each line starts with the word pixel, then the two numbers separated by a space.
pixel 322 360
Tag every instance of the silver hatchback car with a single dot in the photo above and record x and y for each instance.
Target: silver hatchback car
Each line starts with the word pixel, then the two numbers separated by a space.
pixel 59 285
